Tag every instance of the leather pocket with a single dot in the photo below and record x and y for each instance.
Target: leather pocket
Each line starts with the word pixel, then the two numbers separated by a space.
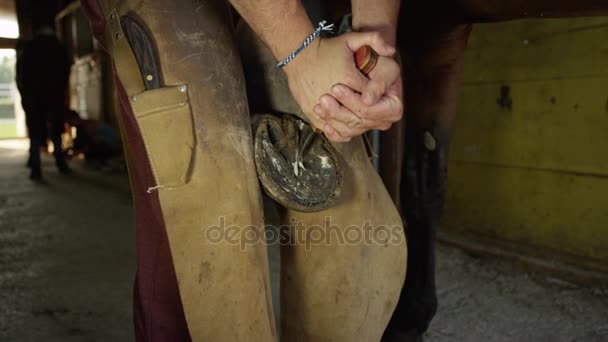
pixel 165 120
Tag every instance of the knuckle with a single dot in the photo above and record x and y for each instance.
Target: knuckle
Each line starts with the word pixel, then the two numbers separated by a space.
pixel 385 127
pixel 361 111
pixel 344 133
pixel 365 116
pixel 394 66
pixel 400 116
pixel 376 37
pixel 347 139
pixel 329 106
pixel 376 85
pixel 331 136
pixel 398 110
pixel 339 138
pixel 318 110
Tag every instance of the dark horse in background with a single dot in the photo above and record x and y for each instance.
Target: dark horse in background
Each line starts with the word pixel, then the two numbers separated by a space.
pixel 433 37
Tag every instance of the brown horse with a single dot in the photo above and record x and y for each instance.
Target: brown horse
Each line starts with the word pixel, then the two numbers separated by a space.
pixel 433 37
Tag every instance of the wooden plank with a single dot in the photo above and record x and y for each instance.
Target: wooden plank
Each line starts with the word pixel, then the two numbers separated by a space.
pixel 529 159
pixel 556 125
pixel 555 211
pixel 545 49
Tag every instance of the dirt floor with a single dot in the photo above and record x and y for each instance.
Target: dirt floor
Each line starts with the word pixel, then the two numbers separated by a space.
pixel 67 263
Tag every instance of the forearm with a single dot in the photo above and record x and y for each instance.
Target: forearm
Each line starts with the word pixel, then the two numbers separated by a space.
pixel 379 15
pixel 281 24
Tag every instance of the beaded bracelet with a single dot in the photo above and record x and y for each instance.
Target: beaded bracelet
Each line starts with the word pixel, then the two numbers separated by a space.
pixel 306 42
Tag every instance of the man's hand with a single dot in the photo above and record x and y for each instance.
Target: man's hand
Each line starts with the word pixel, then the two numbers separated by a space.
pixel 327 62
pixel 282 24
pixel 348 113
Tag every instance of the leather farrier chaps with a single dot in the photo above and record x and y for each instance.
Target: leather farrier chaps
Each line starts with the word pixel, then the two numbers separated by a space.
pixel 187 131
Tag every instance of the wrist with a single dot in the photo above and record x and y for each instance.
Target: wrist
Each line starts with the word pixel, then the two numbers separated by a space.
pixel 304 59
pixel 387 32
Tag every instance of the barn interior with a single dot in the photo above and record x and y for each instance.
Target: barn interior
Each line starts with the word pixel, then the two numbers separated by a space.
pixel 522 251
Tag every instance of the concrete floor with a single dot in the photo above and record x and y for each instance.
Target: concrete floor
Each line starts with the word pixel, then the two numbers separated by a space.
pixel 66 269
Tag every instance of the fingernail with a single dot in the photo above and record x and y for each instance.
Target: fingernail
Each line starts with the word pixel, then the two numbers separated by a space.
pixel 337 90
pixel 390 49
pixel 317 110
pixel 323 103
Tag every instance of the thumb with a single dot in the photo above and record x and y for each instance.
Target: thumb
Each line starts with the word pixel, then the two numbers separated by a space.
pixel 373 91
pixel 357 81
pixel 382 77
pixel 355 40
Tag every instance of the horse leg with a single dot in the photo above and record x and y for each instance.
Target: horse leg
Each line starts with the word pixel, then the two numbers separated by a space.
pixel 432 45
pixel 433 60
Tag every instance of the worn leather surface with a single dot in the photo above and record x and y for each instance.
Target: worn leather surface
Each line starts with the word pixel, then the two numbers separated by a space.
pixel 165 120
pixel 157 308
pixel 344 291
pixel 200 151
pixel 332 291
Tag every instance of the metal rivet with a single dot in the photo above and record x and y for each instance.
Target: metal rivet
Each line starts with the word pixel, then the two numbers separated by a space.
pixel 183 88
pixel 149 78
pixel 117 35
pixel 113 16
pixel 429 141
pixel 133 98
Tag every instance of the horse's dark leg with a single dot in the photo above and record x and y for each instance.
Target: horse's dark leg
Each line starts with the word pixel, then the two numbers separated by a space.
pixel 433 53
pixel 433 39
